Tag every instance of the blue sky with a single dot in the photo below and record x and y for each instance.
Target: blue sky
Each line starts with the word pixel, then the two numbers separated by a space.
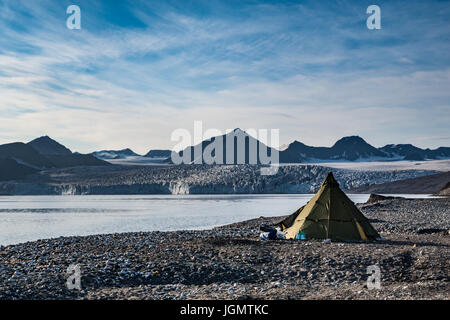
pixel 138 70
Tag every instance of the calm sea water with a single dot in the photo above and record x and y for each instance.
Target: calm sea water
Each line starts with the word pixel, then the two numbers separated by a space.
pixel 28 218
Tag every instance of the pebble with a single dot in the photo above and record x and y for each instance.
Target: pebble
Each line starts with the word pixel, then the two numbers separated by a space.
pixel 231 262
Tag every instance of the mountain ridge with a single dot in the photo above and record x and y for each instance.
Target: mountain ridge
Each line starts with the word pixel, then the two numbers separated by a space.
pixel 349 148
pixel 47 146
pixel 355 148
pixel 42 152
pixel 18 159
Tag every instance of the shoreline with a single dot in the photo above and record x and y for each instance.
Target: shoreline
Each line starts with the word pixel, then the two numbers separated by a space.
pixel 230 262
pixel 17 231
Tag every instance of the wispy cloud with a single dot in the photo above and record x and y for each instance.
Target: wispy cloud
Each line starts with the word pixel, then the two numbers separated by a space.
pixel 135 73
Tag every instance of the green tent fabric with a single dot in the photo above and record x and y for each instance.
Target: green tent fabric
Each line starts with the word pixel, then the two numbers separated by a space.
pixel 330 214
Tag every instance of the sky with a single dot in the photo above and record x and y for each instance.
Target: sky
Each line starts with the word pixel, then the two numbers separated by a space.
pixel 138 70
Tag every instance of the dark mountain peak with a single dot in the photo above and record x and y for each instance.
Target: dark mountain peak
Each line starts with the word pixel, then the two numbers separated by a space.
pixel 350 141
pixel 47 146
pixel 128 152
pixel 42 139
pixel 407 150
pixel 399 146
pixel 348 148
pixel 354 148
pixel 237 131
pixel 46 137
pixel 297 143
pixel 236 137
pixel 297 146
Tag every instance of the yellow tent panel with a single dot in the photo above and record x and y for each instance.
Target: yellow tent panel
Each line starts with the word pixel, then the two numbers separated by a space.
pixel 330 214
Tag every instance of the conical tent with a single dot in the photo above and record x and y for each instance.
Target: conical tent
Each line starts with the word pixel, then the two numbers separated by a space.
pixel 330 214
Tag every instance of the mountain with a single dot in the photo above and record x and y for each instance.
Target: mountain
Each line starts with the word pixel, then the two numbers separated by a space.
pixel 162 154
pixel 44 152
pixel 298 152
pixel 24 154
pixel 47 146
pixel 10 169
pixel 354 148
pixel 62 157
pixel 114 154
pixel 410 152
pixel 400 150
pixel 239 136
pixel 348 148
pixel 39 154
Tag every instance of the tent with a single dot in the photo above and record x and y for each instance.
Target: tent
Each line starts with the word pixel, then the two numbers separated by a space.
pixel 330 214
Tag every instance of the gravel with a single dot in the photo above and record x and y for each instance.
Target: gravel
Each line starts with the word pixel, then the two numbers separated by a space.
pixel 230 262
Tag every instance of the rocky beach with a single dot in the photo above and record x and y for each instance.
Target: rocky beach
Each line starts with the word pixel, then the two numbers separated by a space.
pixel 230 262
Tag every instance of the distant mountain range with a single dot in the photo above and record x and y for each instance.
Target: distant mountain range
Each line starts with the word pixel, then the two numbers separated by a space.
pixel 348 148
pixel 355 148
pixel 127 153
pixel 115 154
pixel 410 152
pixel 352 148
pixel 20 159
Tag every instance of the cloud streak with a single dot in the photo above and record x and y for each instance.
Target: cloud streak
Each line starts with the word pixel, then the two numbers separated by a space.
pixel 310 69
